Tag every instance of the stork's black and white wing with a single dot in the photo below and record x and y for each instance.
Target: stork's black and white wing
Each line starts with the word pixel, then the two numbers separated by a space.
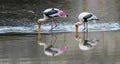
pixel 86 16
pixel 51 12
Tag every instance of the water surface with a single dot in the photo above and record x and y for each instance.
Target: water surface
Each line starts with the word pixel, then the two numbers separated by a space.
pixel 22 49
pixel 18 29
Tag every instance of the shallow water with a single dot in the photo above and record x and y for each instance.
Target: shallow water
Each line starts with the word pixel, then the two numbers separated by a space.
pixel 24 49
pixel 64 27
pixel 18 29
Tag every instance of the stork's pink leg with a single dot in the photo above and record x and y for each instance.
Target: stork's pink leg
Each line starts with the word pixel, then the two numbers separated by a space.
pixel 55 25
pixel 51 24
pixel 52 20
pixel 86 26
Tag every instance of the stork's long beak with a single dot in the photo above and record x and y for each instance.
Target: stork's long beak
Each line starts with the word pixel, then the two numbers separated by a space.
pixel 62 14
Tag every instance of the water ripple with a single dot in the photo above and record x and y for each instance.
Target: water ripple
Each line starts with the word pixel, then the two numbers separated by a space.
pixel 60 28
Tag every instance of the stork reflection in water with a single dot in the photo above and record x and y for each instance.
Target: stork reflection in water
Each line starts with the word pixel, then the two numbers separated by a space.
pixel 84 42
pixel 50 50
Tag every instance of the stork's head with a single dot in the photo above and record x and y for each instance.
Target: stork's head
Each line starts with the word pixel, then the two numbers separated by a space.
pixel 62 14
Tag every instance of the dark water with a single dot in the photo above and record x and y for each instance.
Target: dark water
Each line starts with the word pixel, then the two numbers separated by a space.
pixel 21 16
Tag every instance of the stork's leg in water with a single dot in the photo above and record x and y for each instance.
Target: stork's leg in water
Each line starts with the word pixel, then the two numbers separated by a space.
pixel 85 26
pixel 52 20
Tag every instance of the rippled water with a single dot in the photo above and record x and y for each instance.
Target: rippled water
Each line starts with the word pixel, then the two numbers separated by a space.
pixel 60 28
pixel 24 49
pixel 20 16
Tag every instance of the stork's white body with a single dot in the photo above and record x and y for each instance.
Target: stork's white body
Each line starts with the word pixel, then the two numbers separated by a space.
pixel 83 14
pixel 51 13
pixel 84 17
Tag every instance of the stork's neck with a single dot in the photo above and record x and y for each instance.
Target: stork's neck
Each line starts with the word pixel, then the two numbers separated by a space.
pixel 44 18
